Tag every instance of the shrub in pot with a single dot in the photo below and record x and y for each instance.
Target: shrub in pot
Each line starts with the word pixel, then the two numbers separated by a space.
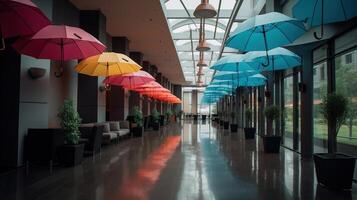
pixel 168 115
pixel 271 141
pixel 137 125
pixel 234 126
pixel 155 116
pixel 249 131
pixel 72 152
pixel 334 170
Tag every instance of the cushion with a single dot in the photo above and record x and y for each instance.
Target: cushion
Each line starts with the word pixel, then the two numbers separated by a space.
pixel 114 126
pixel 124 124
pixel 124 132
pixel 106 127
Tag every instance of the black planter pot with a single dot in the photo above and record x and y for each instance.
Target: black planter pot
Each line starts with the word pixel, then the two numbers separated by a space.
pixel 156 126
pixel 162 120
pixel 234 128
pixel 249 133
pixel 226 125
pixel 334 171
pixel 71 155
pixel 204 117
pixel 271 144
pixel 137 131
pixel 195 117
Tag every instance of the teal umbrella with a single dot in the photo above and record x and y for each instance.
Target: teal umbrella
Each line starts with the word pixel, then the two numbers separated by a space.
pixel 265 32
pixel 280 59
pixel 252 81
pixel 234 63
pixel 222 75
pixel 320 12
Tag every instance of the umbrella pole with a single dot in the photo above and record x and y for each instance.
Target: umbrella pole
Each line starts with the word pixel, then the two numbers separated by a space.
pixel 266 48
pixel 2 40
pixel 60 73
pixel 322 23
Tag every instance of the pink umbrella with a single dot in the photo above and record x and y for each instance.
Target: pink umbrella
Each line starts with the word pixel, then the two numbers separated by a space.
pixel 19 18
pixel 130 81
pixel 59 42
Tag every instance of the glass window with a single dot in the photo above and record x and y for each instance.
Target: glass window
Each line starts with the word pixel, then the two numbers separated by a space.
pixel 288 111
pixel 320 54
pixel 346 81
pixel 320 91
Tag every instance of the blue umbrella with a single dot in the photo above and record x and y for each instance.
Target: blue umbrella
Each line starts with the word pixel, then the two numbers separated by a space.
pixel 222 75
pixel 320 12
pixel 280 58
pixel 265 32
pixel 233 63
pixel 252 81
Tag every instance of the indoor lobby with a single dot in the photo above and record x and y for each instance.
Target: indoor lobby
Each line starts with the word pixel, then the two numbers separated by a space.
pixel 178 99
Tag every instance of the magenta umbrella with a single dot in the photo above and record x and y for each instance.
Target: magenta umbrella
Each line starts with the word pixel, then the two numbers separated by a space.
pixel 60 42
pixel 130 81
pixel 19 18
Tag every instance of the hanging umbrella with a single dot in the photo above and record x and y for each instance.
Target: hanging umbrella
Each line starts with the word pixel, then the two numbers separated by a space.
pixel 233 63
pixel 252 81
pixel 222 75
pixel 129 81
pixel 280 59
pixel 265 32
pixel 107 64
pixel 152 84
pixel 61 43
pixel 320 12
pixel 20 18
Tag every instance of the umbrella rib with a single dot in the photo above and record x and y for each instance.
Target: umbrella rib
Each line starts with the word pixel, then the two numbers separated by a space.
pixel 246 44
pixel 343 9
pixel 282 33
pixel 79 48
pixel 313 12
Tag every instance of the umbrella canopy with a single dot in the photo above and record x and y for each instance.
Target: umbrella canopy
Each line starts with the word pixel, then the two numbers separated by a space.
pixel 152 84
pixel 313 12
pixel 129 81
pixel 280 59
pixel 20 18
pixel 107 64
pixel 252 81
pixel 59 42
pixel 222 75
pixel 265 32
pixel 234 63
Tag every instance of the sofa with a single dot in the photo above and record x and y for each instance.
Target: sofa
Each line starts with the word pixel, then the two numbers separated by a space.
pixel 92 138
pixel 112 130
pixel 121 128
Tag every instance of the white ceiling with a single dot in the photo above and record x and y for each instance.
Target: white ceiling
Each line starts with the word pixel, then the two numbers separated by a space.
pixel 143 22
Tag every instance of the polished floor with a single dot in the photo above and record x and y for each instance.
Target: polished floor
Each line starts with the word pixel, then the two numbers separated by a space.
pixel 182 161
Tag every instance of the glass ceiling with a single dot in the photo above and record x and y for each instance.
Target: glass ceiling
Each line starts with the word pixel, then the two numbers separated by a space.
pixel 184 29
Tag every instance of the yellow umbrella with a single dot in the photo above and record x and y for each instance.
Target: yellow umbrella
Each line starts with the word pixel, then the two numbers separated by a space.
pixel 107 64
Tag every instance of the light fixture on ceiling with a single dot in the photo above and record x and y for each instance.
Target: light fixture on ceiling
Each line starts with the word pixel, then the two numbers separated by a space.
pixel 205 10
pixel 203 46
pixel 201 63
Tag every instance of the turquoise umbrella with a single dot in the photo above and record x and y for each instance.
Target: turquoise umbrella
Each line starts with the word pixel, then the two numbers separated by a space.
pixel 265 32
pixel 320 12
pixel 252 81
pixel 233 63
pixel 222 75
pixel 280 59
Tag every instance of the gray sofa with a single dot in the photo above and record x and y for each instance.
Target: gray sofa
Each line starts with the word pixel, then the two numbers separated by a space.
pixel 112 130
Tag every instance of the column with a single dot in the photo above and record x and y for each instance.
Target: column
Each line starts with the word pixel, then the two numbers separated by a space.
pixel 135 97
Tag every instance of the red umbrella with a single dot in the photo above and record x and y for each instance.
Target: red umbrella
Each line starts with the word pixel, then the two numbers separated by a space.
pixel 19 18
pixel 60 42
pixel 130 81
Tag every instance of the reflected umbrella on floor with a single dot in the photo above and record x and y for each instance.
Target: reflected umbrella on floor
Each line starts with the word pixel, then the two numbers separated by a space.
pixel 320 12
pixel 20 18
pixel 60 43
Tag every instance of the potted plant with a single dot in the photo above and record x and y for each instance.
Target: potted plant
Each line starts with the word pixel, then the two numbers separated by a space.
pixel 334 170
pixel 249 131
pixel 234 126
pixel 155 116
pixel 168 115
pixel 271 141
pixel 72 152
pixel 137 125
pixel 179 114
